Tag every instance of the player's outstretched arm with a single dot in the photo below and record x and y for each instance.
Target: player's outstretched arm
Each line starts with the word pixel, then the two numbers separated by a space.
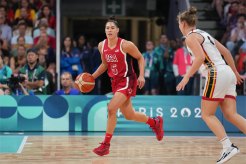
pixel 193 43
pixel 103 66
pixel 229 60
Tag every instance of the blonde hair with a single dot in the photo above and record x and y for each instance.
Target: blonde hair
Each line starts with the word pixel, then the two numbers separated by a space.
pixel 189 16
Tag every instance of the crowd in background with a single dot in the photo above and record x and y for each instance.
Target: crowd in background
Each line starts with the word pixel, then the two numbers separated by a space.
pixel 27 25
pixel 232 14
pixel 165 65
pixel 28 49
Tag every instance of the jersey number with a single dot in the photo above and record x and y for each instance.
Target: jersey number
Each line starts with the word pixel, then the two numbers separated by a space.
pixel 210 40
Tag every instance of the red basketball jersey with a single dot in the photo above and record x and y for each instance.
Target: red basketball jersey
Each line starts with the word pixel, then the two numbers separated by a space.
pixel 119 63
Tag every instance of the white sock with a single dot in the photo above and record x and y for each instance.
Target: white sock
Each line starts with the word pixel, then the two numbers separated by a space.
pixel 225 142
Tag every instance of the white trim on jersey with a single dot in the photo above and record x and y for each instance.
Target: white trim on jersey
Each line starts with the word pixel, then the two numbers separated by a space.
pixel 211 52
pixel 127 83
pixel 125 57
pixel 103 45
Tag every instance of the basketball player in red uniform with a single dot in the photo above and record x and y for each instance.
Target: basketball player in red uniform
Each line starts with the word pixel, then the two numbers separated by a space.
pixel 117 55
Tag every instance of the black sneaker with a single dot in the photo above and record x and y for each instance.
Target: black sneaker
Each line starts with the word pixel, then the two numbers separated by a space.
pixel 226 154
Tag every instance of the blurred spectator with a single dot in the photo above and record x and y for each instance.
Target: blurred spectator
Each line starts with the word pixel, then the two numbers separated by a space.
pixel 81 43
pixel 181 64
pixel 49 85
pixel 35 4
pixel 4 3
pixel 44 38
pixel 46 55
pixel 18 61
pixel 8 13
pixel 85 54
pixel 67 85
pixel 24 16
pixel 34 73
pixel 167 79
pixel 47 13
pixel 218 4
pixel 70 59
pixel 238 36
pixel 241 60
pixel 87 60
pixel 30 12
pixel 95 61
pixel 14 4
pixel 20 42
pixel 43 22
pixel 153 66
pixel 5 73
pixel 231 17
pixel 5 31
pixel 22 27
pixel 95 58
pixel 52 69
pixel 44 61
pixel 4 53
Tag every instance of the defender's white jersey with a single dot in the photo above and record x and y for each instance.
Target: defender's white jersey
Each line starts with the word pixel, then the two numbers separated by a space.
pixel 212 54
pixel 220 79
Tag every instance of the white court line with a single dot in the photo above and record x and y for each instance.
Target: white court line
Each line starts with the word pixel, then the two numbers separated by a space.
pixel 7 133
pixel 22 145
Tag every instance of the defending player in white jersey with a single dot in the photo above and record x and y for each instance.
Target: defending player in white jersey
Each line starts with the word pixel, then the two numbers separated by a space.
pixel 221 80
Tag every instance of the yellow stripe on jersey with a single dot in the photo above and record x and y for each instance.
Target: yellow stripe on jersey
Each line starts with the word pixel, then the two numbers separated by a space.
pixel 207 84
pixel 214 82
pixel 210 86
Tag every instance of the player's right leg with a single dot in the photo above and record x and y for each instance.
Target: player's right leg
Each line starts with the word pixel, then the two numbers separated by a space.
pixel 115 103
pixel 228 107
pixel 155 123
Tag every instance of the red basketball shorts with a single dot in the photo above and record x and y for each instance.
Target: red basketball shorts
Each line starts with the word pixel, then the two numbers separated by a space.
pixel 125 85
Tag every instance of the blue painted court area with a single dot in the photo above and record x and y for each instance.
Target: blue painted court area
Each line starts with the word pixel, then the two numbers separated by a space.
pixel 12 144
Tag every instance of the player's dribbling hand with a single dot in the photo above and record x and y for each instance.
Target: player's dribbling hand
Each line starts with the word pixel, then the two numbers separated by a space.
pixel 182 84
pixel 141 82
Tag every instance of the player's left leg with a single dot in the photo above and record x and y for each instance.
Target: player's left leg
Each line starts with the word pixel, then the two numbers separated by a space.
pixel 228 107
pixel 155 123
pixel 114 104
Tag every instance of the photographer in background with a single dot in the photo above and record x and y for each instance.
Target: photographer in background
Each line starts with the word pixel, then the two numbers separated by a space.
pixel 34 73
pixel 16 86
pixel 5 73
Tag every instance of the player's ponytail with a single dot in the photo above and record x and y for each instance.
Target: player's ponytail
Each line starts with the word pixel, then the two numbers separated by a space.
pixel 192 11
pixel 189 16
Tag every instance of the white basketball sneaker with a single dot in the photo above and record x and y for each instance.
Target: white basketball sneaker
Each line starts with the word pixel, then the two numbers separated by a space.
pixel 226 154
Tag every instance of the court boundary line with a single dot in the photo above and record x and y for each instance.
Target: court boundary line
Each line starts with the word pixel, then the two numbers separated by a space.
pixel 21 147
pixel 136 136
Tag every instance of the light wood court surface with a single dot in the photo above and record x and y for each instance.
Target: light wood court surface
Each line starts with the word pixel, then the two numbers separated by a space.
pixel 124 150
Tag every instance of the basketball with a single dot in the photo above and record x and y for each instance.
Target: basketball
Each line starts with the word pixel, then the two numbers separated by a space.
pixel 84 82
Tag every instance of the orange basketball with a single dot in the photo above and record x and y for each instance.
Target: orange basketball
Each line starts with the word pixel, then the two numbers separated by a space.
pixel 84 82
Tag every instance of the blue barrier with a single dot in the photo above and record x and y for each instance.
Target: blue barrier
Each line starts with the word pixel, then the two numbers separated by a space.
pixel 89 113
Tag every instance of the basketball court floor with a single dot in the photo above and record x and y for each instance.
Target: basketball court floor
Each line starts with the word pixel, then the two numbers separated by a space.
pixel 126 148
